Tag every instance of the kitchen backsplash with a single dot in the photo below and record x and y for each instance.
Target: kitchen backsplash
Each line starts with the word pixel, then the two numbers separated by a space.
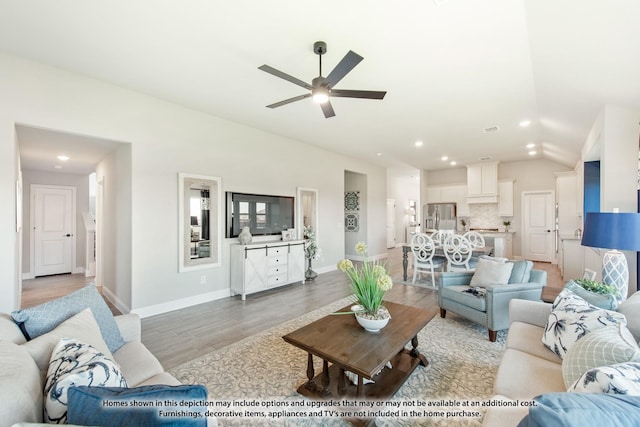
pixel 484 215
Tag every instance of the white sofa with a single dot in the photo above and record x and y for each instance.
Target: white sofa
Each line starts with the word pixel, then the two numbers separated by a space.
pixel 21 394
pixel 528 369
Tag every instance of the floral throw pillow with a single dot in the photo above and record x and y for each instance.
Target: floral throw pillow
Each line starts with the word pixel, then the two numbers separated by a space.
pixel 572 318
pixel 621 378
pixel 74 363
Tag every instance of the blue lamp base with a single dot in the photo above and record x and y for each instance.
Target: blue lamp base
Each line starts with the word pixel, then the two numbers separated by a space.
pixel 615 271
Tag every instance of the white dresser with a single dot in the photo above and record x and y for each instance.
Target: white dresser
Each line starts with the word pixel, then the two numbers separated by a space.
pixel 260 266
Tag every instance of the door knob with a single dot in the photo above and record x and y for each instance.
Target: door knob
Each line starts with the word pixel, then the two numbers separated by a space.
pixel 68 235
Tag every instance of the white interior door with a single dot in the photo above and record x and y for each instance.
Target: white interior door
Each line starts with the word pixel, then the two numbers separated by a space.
pixel 391 223
pixel 538 241
pixel 53 229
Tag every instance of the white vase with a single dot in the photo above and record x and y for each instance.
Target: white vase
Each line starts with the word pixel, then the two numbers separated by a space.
pixel 372 325
pixel 245 236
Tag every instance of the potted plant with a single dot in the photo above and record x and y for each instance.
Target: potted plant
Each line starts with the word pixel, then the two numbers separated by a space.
pixel 506 224
pixel 463 222
pixel 369 282
pixel 596 293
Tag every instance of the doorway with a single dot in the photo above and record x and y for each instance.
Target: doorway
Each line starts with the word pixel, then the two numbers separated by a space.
pixel 50 159
pixel 53 230
pixel 391 223
pixel 538 225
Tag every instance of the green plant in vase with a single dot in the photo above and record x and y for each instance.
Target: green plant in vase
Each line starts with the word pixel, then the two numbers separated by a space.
pixel 597 287
pixel 369 282
pixel 506 224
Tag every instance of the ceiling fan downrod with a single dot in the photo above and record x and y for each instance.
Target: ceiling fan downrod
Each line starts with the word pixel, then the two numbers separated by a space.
pixel 320 48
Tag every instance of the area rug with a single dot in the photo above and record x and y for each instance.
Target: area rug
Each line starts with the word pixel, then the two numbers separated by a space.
pixel 265 371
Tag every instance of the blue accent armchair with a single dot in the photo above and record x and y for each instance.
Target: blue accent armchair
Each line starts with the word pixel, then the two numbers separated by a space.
pixel 492 309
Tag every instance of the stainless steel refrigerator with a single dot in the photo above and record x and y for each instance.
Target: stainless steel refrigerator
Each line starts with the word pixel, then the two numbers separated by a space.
pixel 440 216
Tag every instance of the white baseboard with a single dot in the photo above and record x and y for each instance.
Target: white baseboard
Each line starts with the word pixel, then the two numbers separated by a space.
pixel 27 276
pixel 78 270
pixel 326 269
pixel 166 307
pixel 117 302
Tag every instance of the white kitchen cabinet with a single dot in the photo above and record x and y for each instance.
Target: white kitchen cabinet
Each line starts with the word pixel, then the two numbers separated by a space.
pixel 434 194
pixel 260 266
pixel 502 243
pixel 456 193
pixel 482 182
pixel 572 259
pixel 461 200
pixel 505 198
pixel 566 198
pixel 442 194
pixel 449 193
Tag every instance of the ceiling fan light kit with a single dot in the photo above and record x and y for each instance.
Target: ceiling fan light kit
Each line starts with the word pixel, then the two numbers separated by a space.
pixel 321 88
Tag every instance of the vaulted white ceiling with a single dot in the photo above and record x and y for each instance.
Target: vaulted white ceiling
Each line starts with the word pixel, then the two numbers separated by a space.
pixel 450 68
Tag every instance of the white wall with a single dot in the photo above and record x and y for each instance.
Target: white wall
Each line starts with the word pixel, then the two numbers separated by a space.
pixel 613 140
pixel 81 183
pixel 166 139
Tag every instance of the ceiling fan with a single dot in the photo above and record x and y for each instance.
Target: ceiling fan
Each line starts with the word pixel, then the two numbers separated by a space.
pixel 322 88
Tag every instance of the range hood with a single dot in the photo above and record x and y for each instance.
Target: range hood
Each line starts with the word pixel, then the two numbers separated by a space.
pixel 482 199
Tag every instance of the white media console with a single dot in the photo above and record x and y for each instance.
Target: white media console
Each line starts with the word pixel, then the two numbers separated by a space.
pixel 260 266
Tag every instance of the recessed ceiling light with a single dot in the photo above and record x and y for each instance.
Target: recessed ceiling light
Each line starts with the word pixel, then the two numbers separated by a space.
pixel 532 152
pixel 453 163
pixel 531 145
pixel 379 154
pixel 525 123
pixel 63 158
pixel 57 167
pixel 444 158
pixel 418 144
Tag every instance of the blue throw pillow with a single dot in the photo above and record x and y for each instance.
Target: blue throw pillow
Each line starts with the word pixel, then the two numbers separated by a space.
pixel 583 409
pixel 39 320
pixel 140 406
pixel 521 272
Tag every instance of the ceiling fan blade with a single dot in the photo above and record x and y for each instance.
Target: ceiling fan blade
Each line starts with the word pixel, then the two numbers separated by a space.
pixel 327 109
pixel 350 60
pixel 284 76
pixel 368 94
pixel 288 101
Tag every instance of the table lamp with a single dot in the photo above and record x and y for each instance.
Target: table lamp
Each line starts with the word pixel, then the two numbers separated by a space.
pixel 615 231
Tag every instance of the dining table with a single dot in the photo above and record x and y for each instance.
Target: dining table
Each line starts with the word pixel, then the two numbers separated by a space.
pixel 406 250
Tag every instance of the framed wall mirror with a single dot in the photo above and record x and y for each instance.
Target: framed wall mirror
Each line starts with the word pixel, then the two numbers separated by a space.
pixel 307 210
pixel 199 221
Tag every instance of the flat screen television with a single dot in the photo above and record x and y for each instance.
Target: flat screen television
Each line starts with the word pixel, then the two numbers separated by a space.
pixel 264 215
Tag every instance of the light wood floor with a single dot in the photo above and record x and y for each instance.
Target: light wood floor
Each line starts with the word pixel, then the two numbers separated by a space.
pixel 183 335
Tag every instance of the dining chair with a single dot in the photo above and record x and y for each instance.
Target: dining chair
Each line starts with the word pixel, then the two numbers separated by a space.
pixel 423 248
pixel 458 251
pixel 440 236
pixel 476 239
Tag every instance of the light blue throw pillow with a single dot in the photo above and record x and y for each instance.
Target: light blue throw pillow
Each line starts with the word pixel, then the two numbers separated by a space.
pixel 521 272
pixel 39 320
pixel 113 406
pixel 583 409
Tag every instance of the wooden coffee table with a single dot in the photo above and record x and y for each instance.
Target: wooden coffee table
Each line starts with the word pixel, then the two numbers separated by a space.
pixel 343 345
